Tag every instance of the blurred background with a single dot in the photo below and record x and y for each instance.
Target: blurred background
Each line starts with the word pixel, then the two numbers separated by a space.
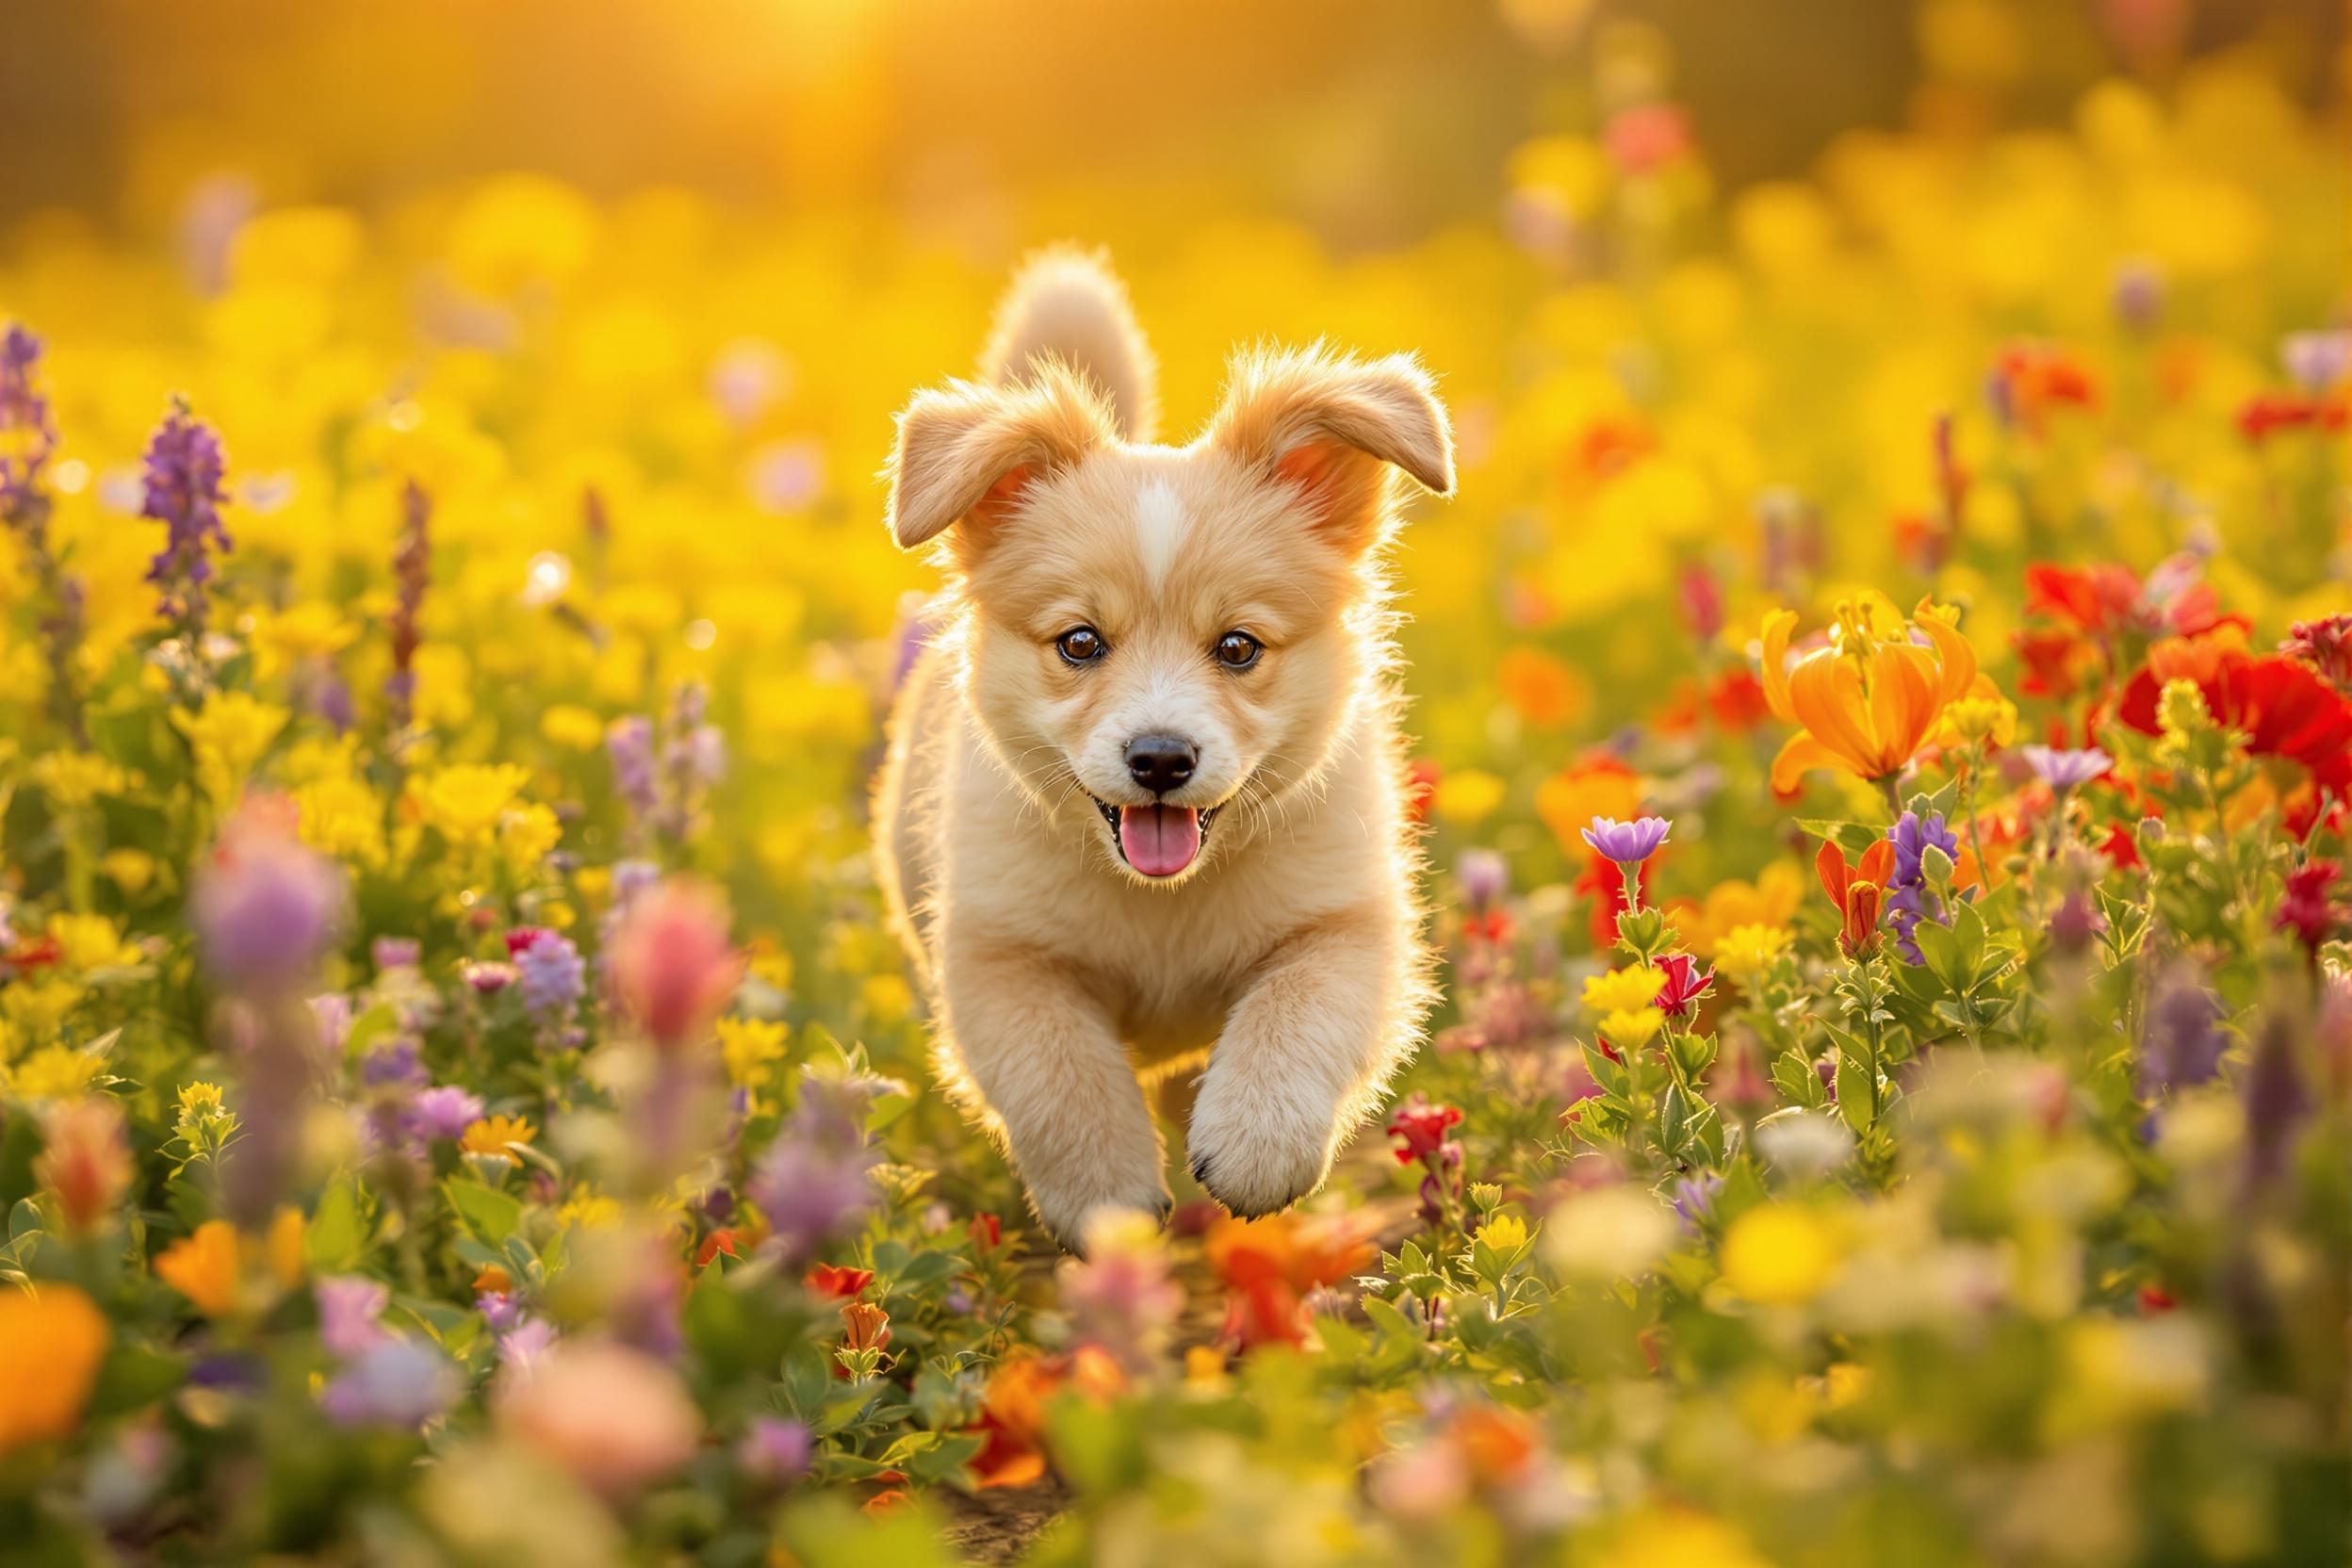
pixel 1373 121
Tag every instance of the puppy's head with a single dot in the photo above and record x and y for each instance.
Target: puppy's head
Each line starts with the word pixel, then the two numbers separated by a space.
pixel 1161 635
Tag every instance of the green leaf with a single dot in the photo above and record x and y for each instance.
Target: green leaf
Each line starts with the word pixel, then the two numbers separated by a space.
pixel 335 1239
pixel 1854 1093
pixel 488 1212
pixel 1852 837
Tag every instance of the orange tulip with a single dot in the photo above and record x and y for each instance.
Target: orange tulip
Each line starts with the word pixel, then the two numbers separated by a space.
pixel 1869 699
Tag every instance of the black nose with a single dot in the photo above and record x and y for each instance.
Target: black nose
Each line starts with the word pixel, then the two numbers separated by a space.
pixel 1160 762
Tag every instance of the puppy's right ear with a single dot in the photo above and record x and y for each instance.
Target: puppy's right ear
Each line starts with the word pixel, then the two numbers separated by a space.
pixel 966 454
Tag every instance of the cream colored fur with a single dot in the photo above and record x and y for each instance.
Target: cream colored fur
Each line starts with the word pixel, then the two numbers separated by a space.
pixel 1292 944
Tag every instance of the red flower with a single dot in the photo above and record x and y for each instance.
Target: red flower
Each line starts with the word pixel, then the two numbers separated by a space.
pixel 987 1232
pixel 2306 909
pixel 2265 414
pixel 2326 646
pixel 2283 708
pixel 842 1284
pixel 1685 984
pixel 1857 891
pixel 715 1244
pixel 1422 1126
pixel 2155 1299
pixel 2030 379
pixel 1421 781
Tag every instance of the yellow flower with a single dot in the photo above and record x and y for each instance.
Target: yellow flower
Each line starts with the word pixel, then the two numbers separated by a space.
pixel 464 803
pixel 1780 1254
pixel 1748 953
pixel 751 1047
pixel 1867 701
pixel 56 1339
pixel 310 629
pixel 491 1134
pixel 73 779
pixel 342 816
pixel 282 1247
pixel 1772 899
pixel 37 1011
pixel 200 1101
pixel 1679 1536
pixel 89 941
pixel 588 1209
pixel 1632 1030
pixel 571 726
pixel 1503 1232
pixel 527 835
pixel 204 1267
pixel 54 1073
pixel 130 869
pixel 1983 715
pixel 1622 991
pixel 1466 798
pixel 229 734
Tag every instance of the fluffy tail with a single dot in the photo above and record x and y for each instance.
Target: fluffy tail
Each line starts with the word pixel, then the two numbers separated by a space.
pixel 1067 307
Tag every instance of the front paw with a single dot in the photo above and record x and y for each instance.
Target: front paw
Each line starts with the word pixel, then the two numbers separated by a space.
pixel 1257 1158
pixel 1064 1208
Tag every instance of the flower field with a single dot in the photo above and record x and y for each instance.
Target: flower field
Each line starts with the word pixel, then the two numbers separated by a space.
pixel 1883 708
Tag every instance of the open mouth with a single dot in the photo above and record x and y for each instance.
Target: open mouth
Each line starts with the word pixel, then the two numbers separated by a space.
pixel 1157 840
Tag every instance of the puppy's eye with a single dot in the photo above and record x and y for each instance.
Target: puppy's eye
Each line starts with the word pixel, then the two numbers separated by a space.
pixel 1238 650
pixel 1080 646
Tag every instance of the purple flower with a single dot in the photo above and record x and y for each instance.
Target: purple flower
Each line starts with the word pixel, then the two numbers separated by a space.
pixel 2316 361
pixel 26 413
pixel 500 1309
pixel 522 1348
pixel 397 1383
pixel 264 904
pixel 1695 1198
pixel 2137 293
pixel 1628 844
pixel 349 1306
pixel 1484 875
pixel 2065 770
pixel 2277 1103
pixel 398 1063
pixel 182 491
pixel 774 1450
pixel 2181 1041
pixel 395 952
pixel 331 1014
pixel 629 744
pixel 444 1111
pixel 553 975
pixel 1907 895
pixel 813 1182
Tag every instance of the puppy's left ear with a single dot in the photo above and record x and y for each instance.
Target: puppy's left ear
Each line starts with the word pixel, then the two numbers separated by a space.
pixel 1336 429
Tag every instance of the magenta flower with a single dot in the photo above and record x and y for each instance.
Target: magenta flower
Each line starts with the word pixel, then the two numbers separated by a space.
pixel 1686 983
pixel 442 1112
pixel 1628 844
pixel 774 1450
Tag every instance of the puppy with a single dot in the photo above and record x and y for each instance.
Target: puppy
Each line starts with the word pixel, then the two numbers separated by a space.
pixel 1145 788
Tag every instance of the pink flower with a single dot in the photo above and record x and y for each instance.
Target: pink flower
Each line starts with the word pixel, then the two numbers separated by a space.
pixel 673 967
pixel 615 1417
pixel 1685 984
pixel 264 904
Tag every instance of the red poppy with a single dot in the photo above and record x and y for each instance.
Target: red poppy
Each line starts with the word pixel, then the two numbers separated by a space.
pixel 842 1284
pixel 987 1232
pixel 2265 414
pixel 1269 1264
pixel 715 1244
pixel 1421 781
pixel 2034 378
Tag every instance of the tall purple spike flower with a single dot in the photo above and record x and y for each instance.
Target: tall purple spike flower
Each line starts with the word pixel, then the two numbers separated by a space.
pixel 184 469
pixel 2182 1039
pixel 1907 898
pixel 28 438
pixel 25 417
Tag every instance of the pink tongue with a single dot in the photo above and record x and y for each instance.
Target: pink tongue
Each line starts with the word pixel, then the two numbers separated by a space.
pixel 1159 841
